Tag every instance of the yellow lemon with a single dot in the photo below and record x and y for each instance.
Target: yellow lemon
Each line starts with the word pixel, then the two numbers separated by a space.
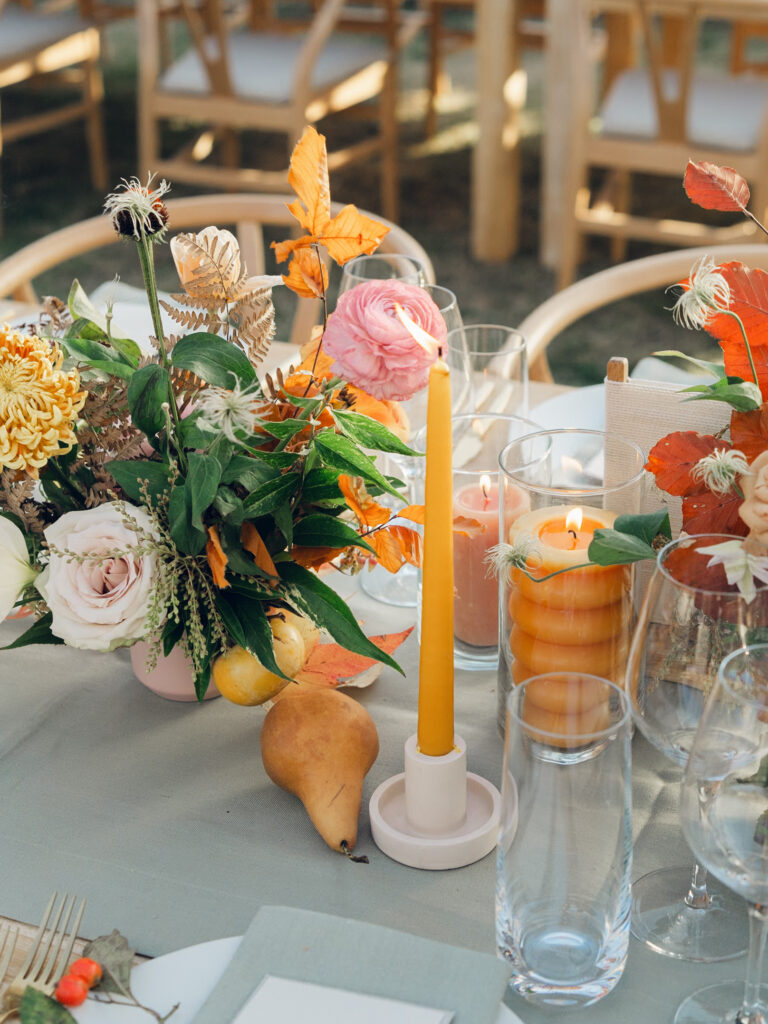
pixel 242 678
pixel 310 634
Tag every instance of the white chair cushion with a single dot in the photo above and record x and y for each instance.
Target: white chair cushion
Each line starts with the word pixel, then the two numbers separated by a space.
pixel 24 31
pixel 723 111
pixel 261 65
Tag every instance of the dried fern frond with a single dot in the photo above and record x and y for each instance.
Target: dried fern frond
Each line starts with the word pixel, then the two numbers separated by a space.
pixel 252 320
pixel 16 497
pixel 209 265
pixel 191 319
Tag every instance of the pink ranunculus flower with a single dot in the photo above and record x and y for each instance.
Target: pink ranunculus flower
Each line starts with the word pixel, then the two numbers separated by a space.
pixel 370 345
pixel 100 601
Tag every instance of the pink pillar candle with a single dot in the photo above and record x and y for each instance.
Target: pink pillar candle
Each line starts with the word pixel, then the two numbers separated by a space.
pixel 476 592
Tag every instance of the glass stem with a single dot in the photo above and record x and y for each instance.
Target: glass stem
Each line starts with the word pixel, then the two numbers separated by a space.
pixel 697 897
pixel 751 1011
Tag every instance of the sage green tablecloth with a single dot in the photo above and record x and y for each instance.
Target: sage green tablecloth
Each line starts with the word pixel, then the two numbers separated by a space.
pixel 161 814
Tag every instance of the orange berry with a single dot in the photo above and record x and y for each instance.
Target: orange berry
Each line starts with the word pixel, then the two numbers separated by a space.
pixel 88 970
pixel 71 990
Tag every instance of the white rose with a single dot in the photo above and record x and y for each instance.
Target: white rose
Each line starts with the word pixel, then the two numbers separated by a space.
pixel 15 571
pixel 98 605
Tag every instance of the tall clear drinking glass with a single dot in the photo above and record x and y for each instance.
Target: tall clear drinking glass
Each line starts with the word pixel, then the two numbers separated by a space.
pixel 565 841
pixel 382 266
pixel 690 619
pixel 725 820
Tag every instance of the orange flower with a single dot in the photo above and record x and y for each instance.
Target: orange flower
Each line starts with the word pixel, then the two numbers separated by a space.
pixel 38 402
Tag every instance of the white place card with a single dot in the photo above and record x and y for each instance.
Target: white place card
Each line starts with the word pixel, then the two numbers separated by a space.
pixel 278 1000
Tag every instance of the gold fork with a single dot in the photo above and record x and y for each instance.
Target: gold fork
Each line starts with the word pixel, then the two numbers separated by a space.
pixel 48 954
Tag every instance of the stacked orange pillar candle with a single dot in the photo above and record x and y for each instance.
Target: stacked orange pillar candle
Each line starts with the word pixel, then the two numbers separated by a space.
pixel 578 621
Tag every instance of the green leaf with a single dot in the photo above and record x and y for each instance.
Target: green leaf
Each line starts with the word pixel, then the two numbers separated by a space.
pixel 99 356
pixel 646 525
pixel 278 460
pixel 327 609
pixel 149 388
pixel 238 559
pixel 372 434
pixel 742 395
pixel 38 633
pixel 191 436
pixel 283 518
pixel 271 495
pixel 321 487
pixel 186 535
pixel 247 471
pixel 714 369
pixel 37 1008
pixel 172 634
pixel 282 429
pixel 130 475
pixel 81 307
pixel 228 504
pixel 340 453
pixel 609 547
pixel 215 360
pixel 326 531
pixel 202 483
pixel 248 626
pixel 115 955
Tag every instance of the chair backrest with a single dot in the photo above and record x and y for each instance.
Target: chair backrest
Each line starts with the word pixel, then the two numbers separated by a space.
pixel 249 213
pixel 569 305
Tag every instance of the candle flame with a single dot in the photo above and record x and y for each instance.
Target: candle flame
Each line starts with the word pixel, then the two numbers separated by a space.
pixel 485 485
pixel 574 519
pixel 417 332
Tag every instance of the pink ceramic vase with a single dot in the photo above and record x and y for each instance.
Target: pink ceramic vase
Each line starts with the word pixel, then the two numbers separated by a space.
pixel 172 676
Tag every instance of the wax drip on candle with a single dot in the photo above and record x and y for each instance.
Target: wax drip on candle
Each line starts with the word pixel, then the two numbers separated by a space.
pixel 573 523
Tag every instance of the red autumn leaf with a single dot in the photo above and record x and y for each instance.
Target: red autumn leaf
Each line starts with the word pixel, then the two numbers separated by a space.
pixel 715 188
pixel 749 432
pixel 314 558
pixel 713 513
pixel 749 300
pixel 331 665
pixel 671 460
pixel 688 566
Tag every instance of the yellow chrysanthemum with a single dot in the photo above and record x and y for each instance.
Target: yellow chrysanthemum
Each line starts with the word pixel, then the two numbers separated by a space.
pixel 38 402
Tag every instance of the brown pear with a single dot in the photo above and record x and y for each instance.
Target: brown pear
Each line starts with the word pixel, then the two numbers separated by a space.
pixel 319 744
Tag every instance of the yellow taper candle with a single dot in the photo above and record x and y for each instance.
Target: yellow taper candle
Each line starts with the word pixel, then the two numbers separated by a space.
pixel 435 728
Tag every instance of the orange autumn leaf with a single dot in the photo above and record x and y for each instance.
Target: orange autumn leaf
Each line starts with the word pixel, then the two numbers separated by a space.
pixel 314 558
pixel 715 188
pixel 749 301
pixel 415 513
pixel 672 460
pixel 251 540
pixel 331 665
pixel 344 236
pixel 411 544
pixel 467 526
pixel 368 512
pixel 307 275
pixel 749 432
pixel 216 557
pixel 713 513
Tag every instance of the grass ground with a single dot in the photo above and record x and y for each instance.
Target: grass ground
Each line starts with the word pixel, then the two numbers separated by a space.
pixel 45 185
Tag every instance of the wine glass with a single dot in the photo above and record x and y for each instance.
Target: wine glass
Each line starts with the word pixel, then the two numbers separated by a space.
pixel 689 620
pixel 400 588
pixel 382 266
pixel 725 820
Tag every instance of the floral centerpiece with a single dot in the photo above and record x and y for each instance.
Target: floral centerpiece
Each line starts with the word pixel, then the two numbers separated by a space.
pixel 180 499
pixel 723 479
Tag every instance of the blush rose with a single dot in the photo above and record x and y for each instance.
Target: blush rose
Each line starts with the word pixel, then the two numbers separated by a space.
pixel 370 345
pixel 99 601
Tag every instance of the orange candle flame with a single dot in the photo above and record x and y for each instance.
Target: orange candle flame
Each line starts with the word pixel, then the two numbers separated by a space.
pixel 574 519
pixel 485 486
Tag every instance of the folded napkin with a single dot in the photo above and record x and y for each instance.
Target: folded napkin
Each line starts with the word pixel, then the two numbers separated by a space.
pixel 339 952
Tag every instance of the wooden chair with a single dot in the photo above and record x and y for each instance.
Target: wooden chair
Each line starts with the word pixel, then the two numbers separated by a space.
pixel 268 77
pixel 529 33
pixel 46 42
pixel 566 307
pixel 654 118
pixel 253 216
